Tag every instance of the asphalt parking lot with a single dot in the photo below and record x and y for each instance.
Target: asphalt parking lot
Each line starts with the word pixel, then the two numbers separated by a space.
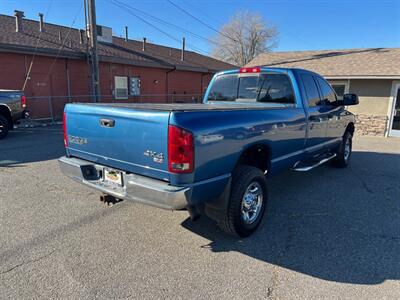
pixel 329 233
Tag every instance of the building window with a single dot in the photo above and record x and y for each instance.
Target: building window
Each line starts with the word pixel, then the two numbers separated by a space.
pixel 121 87
pixel 340 88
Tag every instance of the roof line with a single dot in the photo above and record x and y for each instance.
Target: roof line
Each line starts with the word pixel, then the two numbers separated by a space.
pixel 323 50
pixel 114 36
pixel 362 76
pixel 321 56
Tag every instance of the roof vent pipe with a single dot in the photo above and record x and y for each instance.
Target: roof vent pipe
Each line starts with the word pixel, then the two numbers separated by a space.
pixel 144 44
pixel 126 33
pixel 183 49
pixel 18 20
pixel 41 22
pixel 81 36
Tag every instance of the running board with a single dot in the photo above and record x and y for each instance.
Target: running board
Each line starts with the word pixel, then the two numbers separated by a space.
pixel 310 167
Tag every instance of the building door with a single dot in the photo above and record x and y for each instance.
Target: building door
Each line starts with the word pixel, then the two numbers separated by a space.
pixel 395 119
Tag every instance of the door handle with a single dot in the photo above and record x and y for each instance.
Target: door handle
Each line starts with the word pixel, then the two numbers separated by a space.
pixel 107 122
pixel 330 116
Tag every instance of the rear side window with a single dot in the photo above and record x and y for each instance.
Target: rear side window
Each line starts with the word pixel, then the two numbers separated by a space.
pixel 328 95
pixel 270 87
pixel 311 90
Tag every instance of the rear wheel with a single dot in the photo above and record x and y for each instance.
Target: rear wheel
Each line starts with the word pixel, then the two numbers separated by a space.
pixel 344 153
pixel 4 127
pixel 247 202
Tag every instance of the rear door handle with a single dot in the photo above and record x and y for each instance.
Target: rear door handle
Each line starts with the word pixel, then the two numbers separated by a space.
pixel 107 122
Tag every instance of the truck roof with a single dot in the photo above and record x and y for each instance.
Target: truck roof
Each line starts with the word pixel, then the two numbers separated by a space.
pixel 268 68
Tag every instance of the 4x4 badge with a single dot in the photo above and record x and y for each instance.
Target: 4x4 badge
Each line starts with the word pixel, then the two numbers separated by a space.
pixel 157 157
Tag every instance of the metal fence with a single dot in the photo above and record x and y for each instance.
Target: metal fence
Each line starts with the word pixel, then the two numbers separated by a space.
pixel 50 108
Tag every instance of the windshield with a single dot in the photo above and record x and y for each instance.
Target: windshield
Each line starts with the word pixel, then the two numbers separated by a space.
pixel 269 87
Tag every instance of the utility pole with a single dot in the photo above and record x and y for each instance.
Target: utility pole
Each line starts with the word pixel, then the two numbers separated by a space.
pixel 93 50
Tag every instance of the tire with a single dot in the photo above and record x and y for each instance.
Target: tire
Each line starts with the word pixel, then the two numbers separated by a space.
pixel 4 127
pixel 239 219
pixel 344 152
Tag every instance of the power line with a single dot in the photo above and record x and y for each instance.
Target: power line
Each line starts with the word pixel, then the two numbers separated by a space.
pixel 197 9
pixel 36 47
pixel 63 44
pixel 130 9
pixel 164 22
pixel 202 22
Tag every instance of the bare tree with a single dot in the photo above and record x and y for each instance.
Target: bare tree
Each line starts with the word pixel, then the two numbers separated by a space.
pixel 245 36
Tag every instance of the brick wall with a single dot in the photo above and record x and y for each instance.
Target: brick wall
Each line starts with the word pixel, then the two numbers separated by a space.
pixel 47 87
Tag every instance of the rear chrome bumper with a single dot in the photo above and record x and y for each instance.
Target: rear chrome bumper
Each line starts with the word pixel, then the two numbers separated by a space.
pixel 135 188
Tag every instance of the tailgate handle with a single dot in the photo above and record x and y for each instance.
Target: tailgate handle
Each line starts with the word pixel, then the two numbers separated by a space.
pixel 107 122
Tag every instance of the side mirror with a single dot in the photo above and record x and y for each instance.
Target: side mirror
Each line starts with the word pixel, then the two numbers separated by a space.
pixel 349 99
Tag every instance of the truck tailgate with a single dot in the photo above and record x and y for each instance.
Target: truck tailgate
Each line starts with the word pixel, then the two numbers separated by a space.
pixel 133 140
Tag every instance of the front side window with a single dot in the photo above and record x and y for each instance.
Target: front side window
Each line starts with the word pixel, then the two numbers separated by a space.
pixel 264 88
pixel 328 95
pixel 311 89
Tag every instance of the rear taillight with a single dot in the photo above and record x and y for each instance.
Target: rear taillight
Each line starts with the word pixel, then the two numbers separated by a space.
pixel 23 101
pixel 65 129
pixel 180 150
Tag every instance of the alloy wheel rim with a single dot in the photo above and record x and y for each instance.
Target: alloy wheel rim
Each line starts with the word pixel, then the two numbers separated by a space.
pixel 251 203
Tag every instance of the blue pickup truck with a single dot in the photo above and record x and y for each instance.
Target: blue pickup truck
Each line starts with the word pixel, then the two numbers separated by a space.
pixel 212 158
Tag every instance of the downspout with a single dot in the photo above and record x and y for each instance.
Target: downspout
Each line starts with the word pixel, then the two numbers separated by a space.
pixel 167 82
pixel 68 80
pixel 202 82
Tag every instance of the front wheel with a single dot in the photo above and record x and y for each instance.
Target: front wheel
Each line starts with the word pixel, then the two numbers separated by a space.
pixel 247 202
pixel 344 153
pixel 4 127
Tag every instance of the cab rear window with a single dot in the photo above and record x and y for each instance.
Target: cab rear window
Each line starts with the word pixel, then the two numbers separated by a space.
pixel 266 88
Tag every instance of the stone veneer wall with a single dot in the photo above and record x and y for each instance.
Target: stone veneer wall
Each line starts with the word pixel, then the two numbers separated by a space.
pixel 371 125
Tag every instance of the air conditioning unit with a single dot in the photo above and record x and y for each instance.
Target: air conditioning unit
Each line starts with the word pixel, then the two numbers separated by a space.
pixel 104 34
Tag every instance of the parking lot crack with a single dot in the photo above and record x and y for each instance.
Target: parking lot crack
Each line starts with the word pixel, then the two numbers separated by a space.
pixel 363 183
pixel 27 262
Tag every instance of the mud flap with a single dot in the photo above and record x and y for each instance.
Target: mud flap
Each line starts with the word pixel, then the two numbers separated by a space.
pixel 216 209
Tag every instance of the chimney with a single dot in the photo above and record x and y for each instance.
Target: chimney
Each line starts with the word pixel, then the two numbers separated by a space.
pixel 126 33
pixel 41 22
pixel 18 20
pixel 183 49
pixel 144 44
pixel 81 36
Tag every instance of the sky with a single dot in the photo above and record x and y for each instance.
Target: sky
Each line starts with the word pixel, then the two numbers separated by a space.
pixel 302 24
